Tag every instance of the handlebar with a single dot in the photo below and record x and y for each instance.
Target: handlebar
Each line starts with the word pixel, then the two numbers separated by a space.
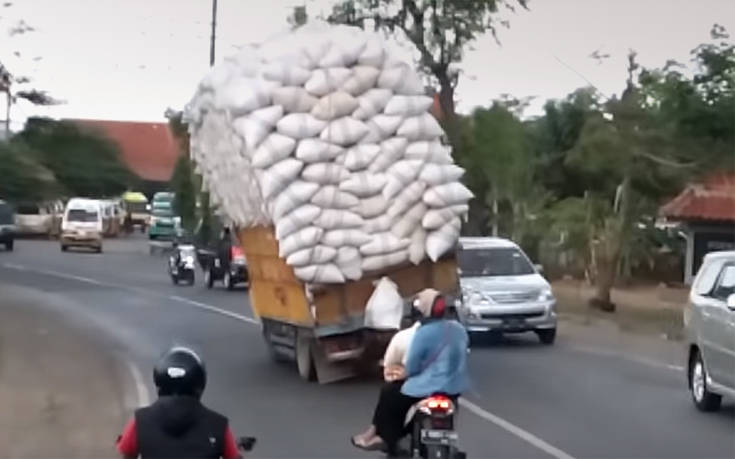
pixel 246 443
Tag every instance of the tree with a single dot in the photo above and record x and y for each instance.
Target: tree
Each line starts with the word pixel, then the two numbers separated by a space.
pixel 22 178
pixel 298 16
pixel 83 162
pixel 441 31
pixel 183 180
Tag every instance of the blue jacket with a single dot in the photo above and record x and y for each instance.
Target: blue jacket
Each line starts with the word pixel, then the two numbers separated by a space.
pixel 437 360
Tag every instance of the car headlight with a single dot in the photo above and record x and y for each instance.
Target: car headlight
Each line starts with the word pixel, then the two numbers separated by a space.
pixel 546 295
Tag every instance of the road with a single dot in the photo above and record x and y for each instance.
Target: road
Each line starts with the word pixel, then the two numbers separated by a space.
pixel 527 400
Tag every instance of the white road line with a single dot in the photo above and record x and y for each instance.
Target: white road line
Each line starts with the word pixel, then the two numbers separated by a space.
pixel 209 307
pixel 144 398
pixel 640 360
pixel 524 435
pixel 14 266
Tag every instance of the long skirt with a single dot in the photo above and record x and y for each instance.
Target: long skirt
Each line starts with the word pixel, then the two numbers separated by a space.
pixel 390 413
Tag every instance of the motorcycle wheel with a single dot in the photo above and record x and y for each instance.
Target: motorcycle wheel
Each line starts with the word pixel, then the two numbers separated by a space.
pixel 174 280
pixel 228 281
pixel 437 452
pixel 208 278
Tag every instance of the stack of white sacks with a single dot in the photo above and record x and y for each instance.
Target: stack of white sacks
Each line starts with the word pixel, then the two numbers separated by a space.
pixel 327 136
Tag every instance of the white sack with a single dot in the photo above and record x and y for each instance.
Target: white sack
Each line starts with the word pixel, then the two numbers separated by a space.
pixel 240 96
pixel 447 194
pixel 344 131
pixel 429 151
pixel 268 115
pixel 445 238
pixel 387 124
pixel 295 194
pixel 251 131
pixel 407 198
pixel 330 196
pixel 363 184
pixel 324 81
pixel 316 150
pixel 437 174
pixel 300 125
pixel 344 51
pixel 374 53
pixel 422 127
pixel 345 237
pixel 325 173
pixel 361 156
pixel 384 309
pixel 349 262
pixel 383 243
pixel 330 219
pixel 303 238
pixel 286 73
pixel 320 274
pixel 380 262
pixel 391 150
pixel 408 105
pixel 378 224
pixel 436 218
pixel 277 177
pixel 363 78
pixel 406 170
pixel 372 207
pixel 410 221
pixel 393 186
pixel 417 249
pixel 294 99
pixel 313 255
pixel 299 218
pixel 334 105
pixel 274 148
pixel 402 79
pixel 372 103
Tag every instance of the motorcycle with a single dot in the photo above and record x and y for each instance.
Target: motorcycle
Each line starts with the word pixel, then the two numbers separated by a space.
pixel 181 264
pixel 432 434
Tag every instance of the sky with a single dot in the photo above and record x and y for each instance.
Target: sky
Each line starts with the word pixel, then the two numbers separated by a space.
pixel 131 59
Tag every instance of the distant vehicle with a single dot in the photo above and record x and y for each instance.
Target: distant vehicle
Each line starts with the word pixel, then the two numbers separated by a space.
pixel 137 204
pixel 82 225
pixel 216 269
pixel 7 225
pixel 709 321
pixel 181 264
pixel 164 224
pixel 502 291
pixel 35 219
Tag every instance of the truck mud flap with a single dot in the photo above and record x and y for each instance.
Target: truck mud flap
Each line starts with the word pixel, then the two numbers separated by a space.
pixel 332 371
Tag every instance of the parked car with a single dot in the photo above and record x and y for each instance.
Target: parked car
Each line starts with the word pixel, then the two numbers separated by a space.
pixel 7 225
pixel 82 225
pixel 709 321
pixel 502 291
pixel 34 219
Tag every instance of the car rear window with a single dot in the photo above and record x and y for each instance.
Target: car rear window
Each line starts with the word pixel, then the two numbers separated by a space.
pixel 28 209
pixel 82 215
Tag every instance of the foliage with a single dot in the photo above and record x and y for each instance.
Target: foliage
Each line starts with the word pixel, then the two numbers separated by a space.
pixel 441 31
pixel 22 178
pixel 84 163
pixel 182 181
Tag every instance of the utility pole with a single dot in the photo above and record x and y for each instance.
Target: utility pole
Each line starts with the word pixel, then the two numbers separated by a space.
pixel 214 28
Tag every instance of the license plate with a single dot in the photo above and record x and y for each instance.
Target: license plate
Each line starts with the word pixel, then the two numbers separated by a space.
pixel 513 323
pixel 438 437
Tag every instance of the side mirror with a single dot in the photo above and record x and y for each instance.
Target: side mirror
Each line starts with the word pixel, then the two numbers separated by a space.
pixel 731 302
pixel 539 268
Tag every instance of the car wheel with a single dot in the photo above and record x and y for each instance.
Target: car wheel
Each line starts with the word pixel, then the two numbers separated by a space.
pixel 547 336
pixel 229 283
pixel 702 397
pixel 208 278
pixel 174 280
pixel 64 248
pixel 9 246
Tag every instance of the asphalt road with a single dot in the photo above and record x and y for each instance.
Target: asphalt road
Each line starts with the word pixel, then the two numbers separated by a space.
pixel 527 400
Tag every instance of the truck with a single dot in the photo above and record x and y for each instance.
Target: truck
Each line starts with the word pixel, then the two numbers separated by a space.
pixel 164 224
pixel 321 327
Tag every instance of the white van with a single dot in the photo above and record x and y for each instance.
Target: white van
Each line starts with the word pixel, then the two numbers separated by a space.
pixel 82 225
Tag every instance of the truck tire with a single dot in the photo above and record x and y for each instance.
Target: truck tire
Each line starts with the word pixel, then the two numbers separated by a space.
pixel 305 359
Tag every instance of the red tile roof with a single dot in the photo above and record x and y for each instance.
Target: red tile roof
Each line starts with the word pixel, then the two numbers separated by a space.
pixel 148 149
pixel 713 199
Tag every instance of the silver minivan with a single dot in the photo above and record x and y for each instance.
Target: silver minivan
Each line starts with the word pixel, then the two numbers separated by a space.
pixel 502 291
pixel 709 319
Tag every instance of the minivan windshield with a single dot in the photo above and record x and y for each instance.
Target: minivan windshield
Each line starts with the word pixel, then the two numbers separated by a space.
pixel 6 214
pixel 500 261
pixel 81 215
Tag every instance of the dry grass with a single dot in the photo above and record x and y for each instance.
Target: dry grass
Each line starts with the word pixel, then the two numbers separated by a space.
pixel 649 310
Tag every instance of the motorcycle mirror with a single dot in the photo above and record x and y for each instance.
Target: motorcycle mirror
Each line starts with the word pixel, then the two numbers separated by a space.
pixel 246 443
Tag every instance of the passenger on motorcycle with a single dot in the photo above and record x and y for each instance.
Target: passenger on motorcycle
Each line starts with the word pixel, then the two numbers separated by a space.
pixel 436 363
pixel 178 424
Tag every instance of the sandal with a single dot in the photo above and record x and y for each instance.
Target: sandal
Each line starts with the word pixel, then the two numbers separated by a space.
pixel 374 445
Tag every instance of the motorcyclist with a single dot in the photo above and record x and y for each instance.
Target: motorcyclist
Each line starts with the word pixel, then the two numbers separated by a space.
pixel 178 424
pixel 436 363
pixel 224 248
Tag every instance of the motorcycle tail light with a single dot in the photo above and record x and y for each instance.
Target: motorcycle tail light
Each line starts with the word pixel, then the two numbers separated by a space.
pixel 437 404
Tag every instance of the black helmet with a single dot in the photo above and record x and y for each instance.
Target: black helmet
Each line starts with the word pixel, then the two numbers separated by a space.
pixel 180 372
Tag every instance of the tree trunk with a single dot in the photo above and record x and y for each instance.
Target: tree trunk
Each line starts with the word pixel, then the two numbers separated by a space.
pixel 446 99
pixel 495 215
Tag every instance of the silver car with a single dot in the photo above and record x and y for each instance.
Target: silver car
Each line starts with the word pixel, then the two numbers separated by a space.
pixel 710 325
pixel 502 291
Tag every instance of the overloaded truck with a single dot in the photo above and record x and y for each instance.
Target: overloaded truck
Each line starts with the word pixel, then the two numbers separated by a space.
pixel 319 147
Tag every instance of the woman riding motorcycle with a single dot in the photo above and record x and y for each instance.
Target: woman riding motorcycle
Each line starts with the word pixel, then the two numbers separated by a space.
pixel 436 363
pixel 178 424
